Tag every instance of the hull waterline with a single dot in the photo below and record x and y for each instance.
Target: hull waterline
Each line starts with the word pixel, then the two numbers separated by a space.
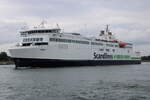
pixel 30 62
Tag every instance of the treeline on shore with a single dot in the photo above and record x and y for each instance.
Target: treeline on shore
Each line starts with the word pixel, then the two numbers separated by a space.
pixel 145 58
pixel 5 59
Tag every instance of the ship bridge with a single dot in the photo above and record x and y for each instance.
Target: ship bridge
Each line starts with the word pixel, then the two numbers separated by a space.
pixel 39 31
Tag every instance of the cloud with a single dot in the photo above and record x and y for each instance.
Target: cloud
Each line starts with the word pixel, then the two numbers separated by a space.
pixel 128 19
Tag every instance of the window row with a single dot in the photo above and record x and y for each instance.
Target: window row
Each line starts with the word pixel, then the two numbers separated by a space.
pixel 32 39
pixel 109 45
pixel 128 47
pixel 80 42
pixel 95 43
pixel 40 43
pixel 68 41
pixel 109 50
pixel 41 31
pixel 116 46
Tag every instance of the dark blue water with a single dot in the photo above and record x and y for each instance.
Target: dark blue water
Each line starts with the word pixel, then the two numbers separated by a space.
pixel 125 82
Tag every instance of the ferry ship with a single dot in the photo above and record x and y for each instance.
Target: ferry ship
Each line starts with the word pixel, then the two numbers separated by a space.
pixel 49 47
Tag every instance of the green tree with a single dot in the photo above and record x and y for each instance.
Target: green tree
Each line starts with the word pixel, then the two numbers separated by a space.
pixel 146 58
pixel 4 57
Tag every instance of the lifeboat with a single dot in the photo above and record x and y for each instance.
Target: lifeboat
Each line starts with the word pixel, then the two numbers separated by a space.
pixel 122 44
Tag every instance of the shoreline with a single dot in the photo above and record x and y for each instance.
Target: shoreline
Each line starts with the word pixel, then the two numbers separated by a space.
pixel 6 62
pixel 145 60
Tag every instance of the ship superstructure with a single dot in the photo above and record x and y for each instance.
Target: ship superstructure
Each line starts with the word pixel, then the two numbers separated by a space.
pixel 44 47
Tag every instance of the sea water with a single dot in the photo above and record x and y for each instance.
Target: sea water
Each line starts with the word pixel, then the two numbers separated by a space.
pixel 121 82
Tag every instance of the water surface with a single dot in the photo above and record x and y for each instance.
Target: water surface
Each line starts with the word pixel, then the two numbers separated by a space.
pixel 123 82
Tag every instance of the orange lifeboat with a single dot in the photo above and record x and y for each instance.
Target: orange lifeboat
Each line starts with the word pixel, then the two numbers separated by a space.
pixel 122 44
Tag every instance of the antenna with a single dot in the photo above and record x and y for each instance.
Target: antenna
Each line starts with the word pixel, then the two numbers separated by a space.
pixel 58 26
pixel 107 28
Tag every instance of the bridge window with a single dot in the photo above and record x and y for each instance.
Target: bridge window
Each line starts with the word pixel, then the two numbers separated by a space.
pixel 26 44
pixel 107 50
pixel 42 31
pixel 42 43
pixel 101 49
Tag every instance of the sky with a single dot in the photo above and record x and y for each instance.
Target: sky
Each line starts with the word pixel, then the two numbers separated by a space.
pixel 129 20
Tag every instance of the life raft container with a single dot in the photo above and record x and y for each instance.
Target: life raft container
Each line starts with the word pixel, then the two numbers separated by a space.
pixel 122 44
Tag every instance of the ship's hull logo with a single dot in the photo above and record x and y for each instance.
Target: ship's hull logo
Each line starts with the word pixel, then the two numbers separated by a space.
pixel 102 56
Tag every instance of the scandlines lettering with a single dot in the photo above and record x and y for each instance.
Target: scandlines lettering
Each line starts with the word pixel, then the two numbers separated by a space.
pixel 102 56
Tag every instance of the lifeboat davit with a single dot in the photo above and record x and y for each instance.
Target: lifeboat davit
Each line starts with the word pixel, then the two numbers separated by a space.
pixel 122 44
